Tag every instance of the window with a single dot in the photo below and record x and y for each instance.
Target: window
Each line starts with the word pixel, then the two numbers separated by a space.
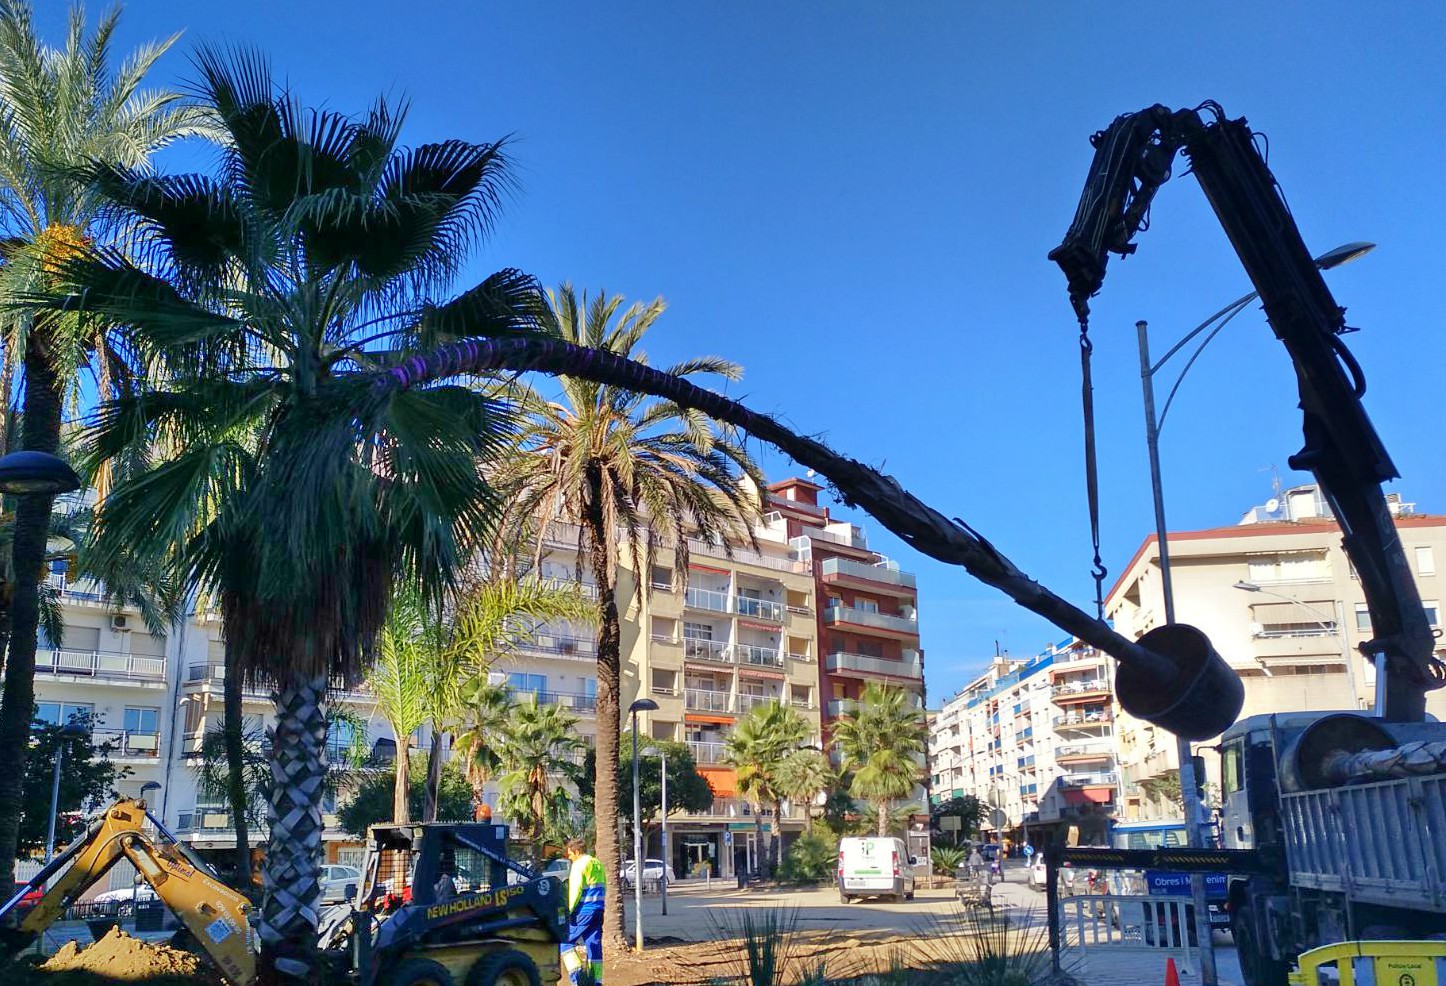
pixel 144 721
pixel 341 737
pixel 1433 612
pixel 1425 561
pixel 60 713
pixel 1363 617
pixel 522 683
pixel 1232 775
pixel 589 689
pixel 697 631
pixel 1297 566
pixel 661 578
pixel 867 605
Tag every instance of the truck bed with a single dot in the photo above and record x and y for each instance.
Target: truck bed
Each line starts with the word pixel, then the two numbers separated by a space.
pixel 1381 843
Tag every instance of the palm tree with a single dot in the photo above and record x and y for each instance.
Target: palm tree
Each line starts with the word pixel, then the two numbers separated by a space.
pixel 882 740
pixel 758 749
pixel 802 777
pixel 539 746
pixel 398 679
pixel 488 620
pixel 269 293
pixel 634 475
pixel 485 710
pixel 60 108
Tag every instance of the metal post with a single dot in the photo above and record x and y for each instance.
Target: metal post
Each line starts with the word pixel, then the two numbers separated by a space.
pixel 54 796
pixel 1380 710
pixel 1189 783
pixel 637 842
pixel 664 757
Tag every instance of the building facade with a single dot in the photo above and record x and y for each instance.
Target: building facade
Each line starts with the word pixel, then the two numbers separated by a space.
pixel 1281 603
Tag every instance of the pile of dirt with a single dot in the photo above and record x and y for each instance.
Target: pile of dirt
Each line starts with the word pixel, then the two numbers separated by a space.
pixel 120 957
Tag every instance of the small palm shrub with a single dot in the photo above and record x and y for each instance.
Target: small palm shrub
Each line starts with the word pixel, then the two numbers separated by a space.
pixel 946 859
pixel 812 857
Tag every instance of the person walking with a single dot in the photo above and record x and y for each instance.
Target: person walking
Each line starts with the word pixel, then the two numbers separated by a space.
pixel 976 863
pixel 586 884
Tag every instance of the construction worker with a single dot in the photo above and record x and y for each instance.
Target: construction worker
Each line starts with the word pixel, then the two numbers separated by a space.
pixel 586 884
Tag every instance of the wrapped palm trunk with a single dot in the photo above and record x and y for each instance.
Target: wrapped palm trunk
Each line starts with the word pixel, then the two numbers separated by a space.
pixel 291 901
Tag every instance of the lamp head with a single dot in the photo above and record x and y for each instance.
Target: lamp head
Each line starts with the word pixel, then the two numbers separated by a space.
pixel 36 472
pixel 1343 255
pixel 1246 587
pixel 643 705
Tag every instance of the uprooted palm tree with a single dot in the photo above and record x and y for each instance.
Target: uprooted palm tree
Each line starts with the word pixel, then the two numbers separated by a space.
pixel 635 476
pixel 60 108
pixel 268 292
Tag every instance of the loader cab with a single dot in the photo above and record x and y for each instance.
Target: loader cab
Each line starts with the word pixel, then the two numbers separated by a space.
pixel 406 864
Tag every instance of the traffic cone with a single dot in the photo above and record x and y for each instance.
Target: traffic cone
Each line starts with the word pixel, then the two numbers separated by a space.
pixel 1172 975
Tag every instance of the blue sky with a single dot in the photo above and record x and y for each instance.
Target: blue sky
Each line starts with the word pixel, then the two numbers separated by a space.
pixel 855 201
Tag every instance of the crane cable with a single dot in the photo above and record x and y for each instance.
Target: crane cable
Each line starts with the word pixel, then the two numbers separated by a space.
pixel 1092 478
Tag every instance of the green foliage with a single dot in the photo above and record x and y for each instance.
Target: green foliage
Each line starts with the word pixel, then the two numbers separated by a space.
pixel 688 790
pixel 971 812
pixel 946 859
pixel 769 946
pixel 370 802
pixel 812 857
pixel 1165 787
pixel 841 812
pixel 538 747
pixel 978 947
pixel 87 781
pixel 880 740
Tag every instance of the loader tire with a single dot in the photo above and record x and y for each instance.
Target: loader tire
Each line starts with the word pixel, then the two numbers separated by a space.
pixel 508 967
pixel 419 972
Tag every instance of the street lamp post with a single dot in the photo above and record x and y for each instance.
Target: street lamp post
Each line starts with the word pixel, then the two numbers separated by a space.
pixel 641 705
pixel 663 807
pixel 1335 627
pixel 1189 783
pixel 71 730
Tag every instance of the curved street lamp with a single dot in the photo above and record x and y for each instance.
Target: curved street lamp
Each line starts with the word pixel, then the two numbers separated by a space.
pixel 28 471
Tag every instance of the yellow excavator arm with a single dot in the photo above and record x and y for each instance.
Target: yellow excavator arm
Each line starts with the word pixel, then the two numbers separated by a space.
pixel 215 914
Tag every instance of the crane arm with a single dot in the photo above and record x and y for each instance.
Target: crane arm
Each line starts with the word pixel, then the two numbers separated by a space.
pixel 215 914
pixel 1133 158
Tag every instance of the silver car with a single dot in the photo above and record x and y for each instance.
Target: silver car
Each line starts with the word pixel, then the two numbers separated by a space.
pixel 335 879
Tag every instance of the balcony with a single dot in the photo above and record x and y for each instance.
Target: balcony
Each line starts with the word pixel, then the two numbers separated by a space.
pixel 709 600
pixel 1076 720
pixel 858 664
pixel 557 645
pixel 109 665
pixel 1068 692
pixel 745 556
pixel 709 651
pixel 126 744
pixel 844 570
pixel 759 609
pixel 214 676
pixel 1082 753
pixel 1101 778
pixel 747 702
pixel 751 656
pixel 208 822
pixel 850 537
pixel 705 752
pixel 700 700
pixel 737 808
pixel 584 705
pixel 907 625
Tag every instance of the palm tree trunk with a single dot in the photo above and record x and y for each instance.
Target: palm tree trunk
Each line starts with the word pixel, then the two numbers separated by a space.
pixel 775 836
pixel 920 525
pixel 609 718
pixel 232 728
pixel 883 807
pixel 759 840
pixel 291 901
pixel 401 777
pixel 434 775
pixel 32 524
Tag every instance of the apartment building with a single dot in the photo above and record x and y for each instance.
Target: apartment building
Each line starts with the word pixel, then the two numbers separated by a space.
pixel 1033 739
pixel 1280 602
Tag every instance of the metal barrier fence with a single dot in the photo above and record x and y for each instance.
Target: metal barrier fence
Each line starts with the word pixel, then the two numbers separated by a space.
pixel 1097 923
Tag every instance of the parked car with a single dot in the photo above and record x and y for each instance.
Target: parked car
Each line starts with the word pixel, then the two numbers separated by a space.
pixel 652 871
pixel 125 897
pixel 874 867
pixel 335 879
pixel 560 868
pixel 1037 875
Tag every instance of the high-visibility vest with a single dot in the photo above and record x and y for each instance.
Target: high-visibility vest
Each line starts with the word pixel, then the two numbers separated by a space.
pixel 585 882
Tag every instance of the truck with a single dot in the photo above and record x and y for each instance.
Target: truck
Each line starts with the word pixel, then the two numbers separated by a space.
pixel 435 905
pixel 1334 826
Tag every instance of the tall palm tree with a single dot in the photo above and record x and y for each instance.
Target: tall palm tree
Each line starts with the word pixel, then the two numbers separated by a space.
pixel 882 740
pixel 270 292
pixel 489 618
pixel 60 108
pixel 539 748
pixel 802 777
pixel 398 679
pixel 485 710
pixel 758 750
pixel 634 474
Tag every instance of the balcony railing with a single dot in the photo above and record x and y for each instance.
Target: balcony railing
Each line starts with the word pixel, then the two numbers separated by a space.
pixel 753 656
pixel 868 618
pixel 581 704
pixel 1083 751
pixel 1102 778
pixel 699 700
pixel 873 573
pixel 1096 717
pixel 100 664
pixel 910 667
pixel 851 537
pixel 707 599
pixel 713 651
pixel 557 645
pixel 841 706
pixel 1067 689
pixel 126 744
pixel 705 752
pixel 747 702
pixel 745 556
pixel 762 609
pixel 738 808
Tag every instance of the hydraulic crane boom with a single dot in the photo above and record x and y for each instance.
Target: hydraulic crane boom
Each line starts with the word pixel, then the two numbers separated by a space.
pixel 214 913
pixel 1133 158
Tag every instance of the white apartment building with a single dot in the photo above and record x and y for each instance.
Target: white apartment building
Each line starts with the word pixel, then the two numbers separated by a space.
pixel 1280 602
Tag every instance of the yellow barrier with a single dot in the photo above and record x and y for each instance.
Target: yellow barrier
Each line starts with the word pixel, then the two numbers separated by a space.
pixel 1397 963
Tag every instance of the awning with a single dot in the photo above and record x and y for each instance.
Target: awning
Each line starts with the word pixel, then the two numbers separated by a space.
pixel 765 627
pixel 704 568
pixel 722 780
pixel 715 720
pixel 758 673
pixel 1090 795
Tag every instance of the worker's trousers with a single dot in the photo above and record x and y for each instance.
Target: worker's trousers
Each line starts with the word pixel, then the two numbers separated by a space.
pixel 585 929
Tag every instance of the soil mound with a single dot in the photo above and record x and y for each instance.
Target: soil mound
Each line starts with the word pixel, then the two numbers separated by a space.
pixel 118 956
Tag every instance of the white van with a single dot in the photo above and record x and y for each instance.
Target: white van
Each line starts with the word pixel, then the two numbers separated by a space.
pixel 874 867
